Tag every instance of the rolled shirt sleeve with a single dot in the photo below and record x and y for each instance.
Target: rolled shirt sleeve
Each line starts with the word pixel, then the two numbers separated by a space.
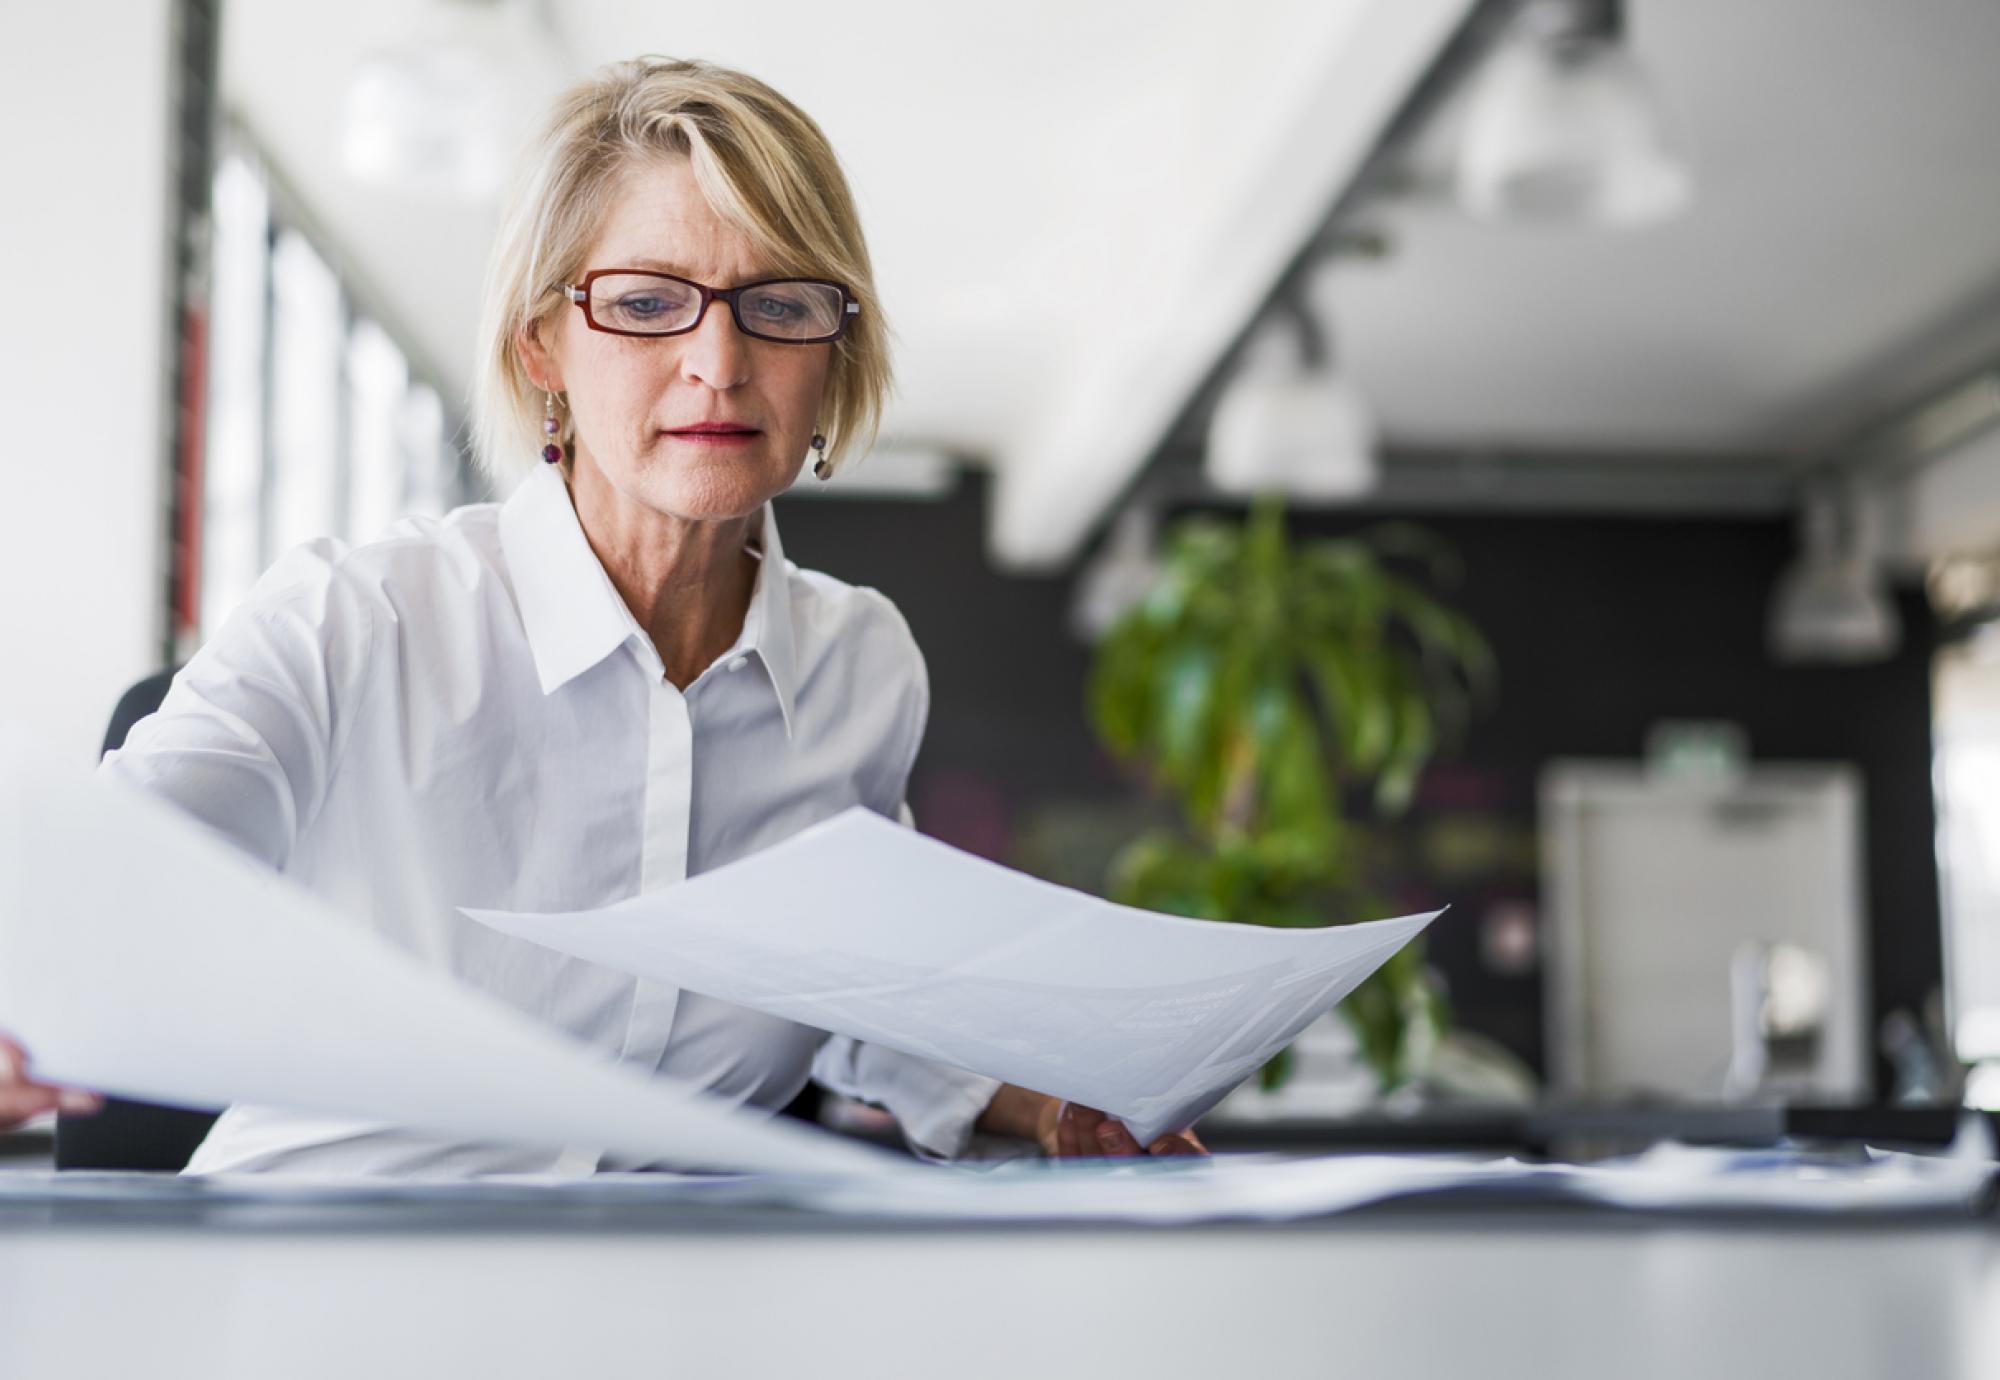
pixel 935 1104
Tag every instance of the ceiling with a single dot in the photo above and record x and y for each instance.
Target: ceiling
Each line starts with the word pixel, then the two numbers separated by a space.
pixel 1075 209
pixel 1841 255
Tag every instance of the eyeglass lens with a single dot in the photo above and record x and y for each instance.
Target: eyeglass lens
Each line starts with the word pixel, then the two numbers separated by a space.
pixel 791 309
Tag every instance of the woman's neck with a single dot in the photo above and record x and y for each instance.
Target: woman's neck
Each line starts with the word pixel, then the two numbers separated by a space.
pixel 686 580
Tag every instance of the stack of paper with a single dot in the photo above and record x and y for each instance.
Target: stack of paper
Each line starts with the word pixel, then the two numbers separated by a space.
pixel 1159 1191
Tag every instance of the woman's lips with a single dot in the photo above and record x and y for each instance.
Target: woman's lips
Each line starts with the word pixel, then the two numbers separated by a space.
pixel 716 438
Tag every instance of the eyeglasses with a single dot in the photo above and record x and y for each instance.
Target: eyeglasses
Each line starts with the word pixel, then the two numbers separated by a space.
pixel 791 311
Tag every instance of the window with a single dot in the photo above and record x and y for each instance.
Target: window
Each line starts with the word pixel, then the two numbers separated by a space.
pixel 318 425
pixel 1966 772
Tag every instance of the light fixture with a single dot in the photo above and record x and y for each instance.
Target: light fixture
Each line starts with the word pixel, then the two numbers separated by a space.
pixel 1831 604
pixel 1119 575
pixel 1288 423
pixel 430 115
pixel 1563 126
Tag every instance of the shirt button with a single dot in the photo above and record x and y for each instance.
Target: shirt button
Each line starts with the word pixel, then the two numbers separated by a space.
pixel 737 663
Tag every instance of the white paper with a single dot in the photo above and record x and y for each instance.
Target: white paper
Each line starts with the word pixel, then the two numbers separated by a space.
pixel 1162 1191
pixel 870 930
pixel 142 956
pixel 1686 1178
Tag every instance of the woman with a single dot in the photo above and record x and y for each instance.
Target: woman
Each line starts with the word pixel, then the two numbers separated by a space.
pixel 614 679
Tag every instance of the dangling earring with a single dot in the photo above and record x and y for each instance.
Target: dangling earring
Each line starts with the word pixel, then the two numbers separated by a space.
pixel 820 467
pixel 551 428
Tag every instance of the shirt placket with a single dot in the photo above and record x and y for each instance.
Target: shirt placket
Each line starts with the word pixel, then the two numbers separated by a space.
pixel 663 857
pixel 663 860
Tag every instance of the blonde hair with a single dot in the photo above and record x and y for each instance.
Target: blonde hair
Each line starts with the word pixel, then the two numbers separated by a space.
pixel 764 167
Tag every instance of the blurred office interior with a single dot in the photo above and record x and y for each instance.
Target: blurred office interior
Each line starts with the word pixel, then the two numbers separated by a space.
pixel 1674 325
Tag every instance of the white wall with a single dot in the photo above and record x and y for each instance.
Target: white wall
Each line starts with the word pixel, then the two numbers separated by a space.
pixel 83 227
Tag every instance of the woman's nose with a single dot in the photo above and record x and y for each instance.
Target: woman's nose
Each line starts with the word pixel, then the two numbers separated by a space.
pixel 715 352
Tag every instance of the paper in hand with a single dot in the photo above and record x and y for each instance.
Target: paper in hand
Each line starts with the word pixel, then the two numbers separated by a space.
pixel 870 930
pixel 142 956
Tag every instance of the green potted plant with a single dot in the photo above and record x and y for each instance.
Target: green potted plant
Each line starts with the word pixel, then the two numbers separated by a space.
pixel 1263 683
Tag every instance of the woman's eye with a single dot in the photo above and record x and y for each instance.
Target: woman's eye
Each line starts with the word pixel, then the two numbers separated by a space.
pixel 771 307
pixel 642 306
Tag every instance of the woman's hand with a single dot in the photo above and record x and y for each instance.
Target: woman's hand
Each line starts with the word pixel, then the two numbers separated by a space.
pixel 1070 1129
pixel 22 1097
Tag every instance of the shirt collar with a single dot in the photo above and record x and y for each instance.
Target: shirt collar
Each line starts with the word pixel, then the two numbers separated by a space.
pixel 574 616
pixel 768 625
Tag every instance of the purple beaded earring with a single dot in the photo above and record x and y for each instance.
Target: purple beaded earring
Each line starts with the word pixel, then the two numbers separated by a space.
pixel 820 467
pixel 551 428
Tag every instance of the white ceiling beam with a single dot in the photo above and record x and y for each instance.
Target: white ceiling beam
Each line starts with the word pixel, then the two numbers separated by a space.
pixel 1055 480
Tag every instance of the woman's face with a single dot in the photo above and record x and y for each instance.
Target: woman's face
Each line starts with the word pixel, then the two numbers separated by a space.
pixel 628 394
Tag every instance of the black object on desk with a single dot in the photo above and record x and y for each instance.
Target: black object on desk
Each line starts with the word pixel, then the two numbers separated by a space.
pixel 1585 1131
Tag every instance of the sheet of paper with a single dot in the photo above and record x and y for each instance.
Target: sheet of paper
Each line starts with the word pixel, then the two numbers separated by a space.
pixel 866 929
pixel 1153 1190
pixel 1685 1178
pixel 142 956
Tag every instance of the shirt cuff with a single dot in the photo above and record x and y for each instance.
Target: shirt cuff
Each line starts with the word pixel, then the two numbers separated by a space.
pixel 935 1104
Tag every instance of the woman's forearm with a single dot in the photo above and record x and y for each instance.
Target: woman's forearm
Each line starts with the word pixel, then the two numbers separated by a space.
pixel 1016 1111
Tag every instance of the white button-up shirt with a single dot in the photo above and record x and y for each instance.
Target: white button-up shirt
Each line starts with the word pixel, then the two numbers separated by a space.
pixel 465 713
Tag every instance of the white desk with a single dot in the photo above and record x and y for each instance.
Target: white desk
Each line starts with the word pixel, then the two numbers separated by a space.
pixel 560 1289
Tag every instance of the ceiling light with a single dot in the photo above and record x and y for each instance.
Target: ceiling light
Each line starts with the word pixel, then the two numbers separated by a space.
pixel 1287 425
pixel 430 115
pixel 1563 126
pixel 1831 605
pixel 1121 574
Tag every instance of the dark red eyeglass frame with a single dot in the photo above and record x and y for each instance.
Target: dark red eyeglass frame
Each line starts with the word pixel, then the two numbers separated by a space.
pixel 579 293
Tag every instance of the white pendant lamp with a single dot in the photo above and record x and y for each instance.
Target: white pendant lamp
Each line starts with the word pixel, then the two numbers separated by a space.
pixel 1288 423
pixel 1563 126
pixel 431 115
pixel 427 121
pixel 1122 573
pixel 1831 605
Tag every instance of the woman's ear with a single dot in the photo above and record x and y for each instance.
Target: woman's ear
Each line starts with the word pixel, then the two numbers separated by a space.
pixel 536 358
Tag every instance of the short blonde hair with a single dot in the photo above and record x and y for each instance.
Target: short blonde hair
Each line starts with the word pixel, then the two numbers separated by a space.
pixel 764 167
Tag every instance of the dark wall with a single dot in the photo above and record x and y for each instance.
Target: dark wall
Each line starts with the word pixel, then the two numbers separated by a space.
pixel 1601 626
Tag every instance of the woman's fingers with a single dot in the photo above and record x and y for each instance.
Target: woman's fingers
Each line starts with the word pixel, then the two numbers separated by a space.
pixel 22 1101
pixel 25 1100
pixel 1081 1130
pixel 1066 1138
pixel 19 1098
pixel 1114 1139
pixel 22 1097
pixel 1098 1134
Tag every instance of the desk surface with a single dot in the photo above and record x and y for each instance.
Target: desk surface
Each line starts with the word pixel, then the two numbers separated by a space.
pixel 567 1286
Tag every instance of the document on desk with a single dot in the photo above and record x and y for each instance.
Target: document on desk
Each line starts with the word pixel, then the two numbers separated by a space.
pixel 870 930
pixel 142 956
